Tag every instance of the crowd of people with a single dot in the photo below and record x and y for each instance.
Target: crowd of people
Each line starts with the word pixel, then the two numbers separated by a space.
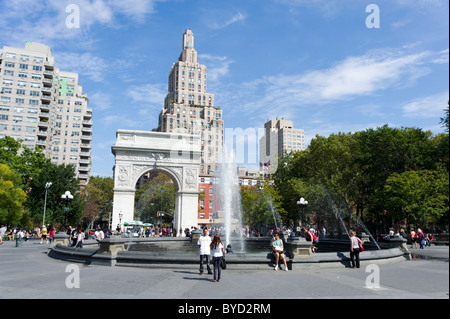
pixel 213 250
pixel 42 233
pixel 421 238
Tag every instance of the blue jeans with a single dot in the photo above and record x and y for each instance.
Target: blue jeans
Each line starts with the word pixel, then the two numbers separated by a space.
pixel 202 257
pixel 217 269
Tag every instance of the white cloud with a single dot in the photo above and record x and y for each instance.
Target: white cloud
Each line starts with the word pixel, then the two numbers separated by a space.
pixel 100 101
pixel 216 24
pixel 218 66
pixel 148 93
pixel 135 9
pixel 45 21
pixel 355 76
pixel 85 64
pixel 442 58
pixel 426 107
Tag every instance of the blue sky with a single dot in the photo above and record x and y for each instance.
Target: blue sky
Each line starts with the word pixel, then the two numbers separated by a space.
pixel 314 62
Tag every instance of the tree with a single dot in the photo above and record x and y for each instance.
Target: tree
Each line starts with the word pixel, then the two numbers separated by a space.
pixel 419 196
pixel 12 197
pixel 348 172
pixel 444 120
pixel 98 196
pixel 63 179
pixel 27 163
pixel 261 206
pixel 148 199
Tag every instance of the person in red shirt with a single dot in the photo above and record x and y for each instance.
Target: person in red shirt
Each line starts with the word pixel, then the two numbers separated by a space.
pixel 310 236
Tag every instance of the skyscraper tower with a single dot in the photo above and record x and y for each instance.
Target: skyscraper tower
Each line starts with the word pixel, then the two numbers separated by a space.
pixel 280 138
pixel 45 107
pixel 188 108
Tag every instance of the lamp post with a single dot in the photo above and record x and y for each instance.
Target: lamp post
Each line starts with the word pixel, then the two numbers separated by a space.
pixel 302 203
pixel 47 186
pixel 67 197
pixel 161 212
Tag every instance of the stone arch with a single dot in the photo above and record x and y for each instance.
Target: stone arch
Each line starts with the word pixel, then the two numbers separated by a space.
pixel 138 152
pixel 176 178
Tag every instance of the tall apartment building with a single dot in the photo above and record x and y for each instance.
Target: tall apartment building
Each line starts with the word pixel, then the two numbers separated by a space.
pixel 279 138
pixel 45 107
pixel 189 108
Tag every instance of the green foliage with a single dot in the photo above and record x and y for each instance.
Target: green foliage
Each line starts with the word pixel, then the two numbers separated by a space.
pixel 444 120
pixel 419 196
pixel 11 196
pixel 27 163
pixel 148 199
pixel 63 179
pixel 98 196
pixel 360 170
pixel 261 206
pixel 33 171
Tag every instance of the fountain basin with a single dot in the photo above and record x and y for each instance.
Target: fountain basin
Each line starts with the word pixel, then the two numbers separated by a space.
pixel 183 254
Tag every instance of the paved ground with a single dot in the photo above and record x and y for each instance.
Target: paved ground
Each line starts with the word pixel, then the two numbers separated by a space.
pixel 28 273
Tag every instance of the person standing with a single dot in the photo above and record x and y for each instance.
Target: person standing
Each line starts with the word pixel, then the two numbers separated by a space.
pixel 413 239
pixel 2 233
pixel 217 254
pixel 204 243
pixel 354 249
pixel 44 234
pixel 420 238
pixel 51 233
pixel 80 239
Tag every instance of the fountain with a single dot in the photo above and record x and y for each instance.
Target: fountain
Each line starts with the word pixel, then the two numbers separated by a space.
pixel 250 253
pixel 230 200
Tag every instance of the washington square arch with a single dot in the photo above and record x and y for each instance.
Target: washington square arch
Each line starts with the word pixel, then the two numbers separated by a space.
pixel 176 155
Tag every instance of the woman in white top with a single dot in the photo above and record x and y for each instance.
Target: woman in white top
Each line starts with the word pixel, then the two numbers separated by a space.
pixel 217 253
pixel 354 249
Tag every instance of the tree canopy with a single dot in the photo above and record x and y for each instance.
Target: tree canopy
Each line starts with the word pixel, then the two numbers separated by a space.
pixel 401 172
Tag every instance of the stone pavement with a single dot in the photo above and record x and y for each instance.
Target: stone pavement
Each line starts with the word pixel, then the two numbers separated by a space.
pixel 28 273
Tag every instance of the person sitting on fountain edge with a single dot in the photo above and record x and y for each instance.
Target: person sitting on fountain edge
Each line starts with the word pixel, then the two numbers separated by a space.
pixel 278 251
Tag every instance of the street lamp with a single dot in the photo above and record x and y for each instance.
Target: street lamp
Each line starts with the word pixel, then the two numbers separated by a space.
pixel 302 203
pixel 47 186
pixel 161 212
pixel 67 196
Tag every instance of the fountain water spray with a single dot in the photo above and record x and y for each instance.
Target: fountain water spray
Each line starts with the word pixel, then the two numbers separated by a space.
pixel 230 198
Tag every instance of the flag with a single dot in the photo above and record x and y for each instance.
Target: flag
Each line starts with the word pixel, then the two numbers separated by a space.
pixel 267 167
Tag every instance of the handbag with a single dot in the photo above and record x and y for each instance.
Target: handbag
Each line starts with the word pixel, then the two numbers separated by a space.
pixel 223 264
pixel 361 248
